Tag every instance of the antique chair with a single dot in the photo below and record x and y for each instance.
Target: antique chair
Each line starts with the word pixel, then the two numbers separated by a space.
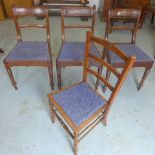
pixel 80 107
pixel 72 53
pixel 30 53
pixel 132 16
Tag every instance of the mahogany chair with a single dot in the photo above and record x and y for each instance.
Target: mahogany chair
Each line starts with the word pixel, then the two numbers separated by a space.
pixel 80 107
pixel 72 53
pixel 132 16
pixel 30 53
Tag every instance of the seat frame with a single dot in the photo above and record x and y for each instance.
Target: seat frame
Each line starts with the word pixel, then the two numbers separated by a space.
pixel 77 132
pixel 19 12
pixel 131 14
pixel 73 12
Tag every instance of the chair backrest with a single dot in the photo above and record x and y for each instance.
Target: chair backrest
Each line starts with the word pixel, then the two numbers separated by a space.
pixel 119 75
pixel 38 11
pixel 128 19
pixel 77 11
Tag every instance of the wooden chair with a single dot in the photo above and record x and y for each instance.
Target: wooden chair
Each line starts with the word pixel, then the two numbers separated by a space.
pixel 72 53
pixel 30 53
pixel 80 107
pixel 132 16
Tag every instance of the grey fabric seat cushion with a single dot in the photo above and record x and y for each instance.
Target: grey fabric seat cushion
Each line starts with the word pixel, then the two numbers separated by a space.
pixel 74 51
pixel 80 102
pixel 130 50
pixel 29 50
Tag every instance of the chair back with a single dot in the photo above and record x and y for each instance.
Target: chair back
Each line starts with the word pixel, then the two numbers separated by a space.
pixel 39 11
pixel 127 19
pixel 120 76
pixel 77 11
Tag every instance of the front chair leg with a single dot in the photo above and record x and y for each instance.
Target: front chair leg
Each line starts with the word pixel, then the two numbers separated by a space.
pixel 146 72
pixel 52 112
pixel 59 75
pixel 8 69
pixel 50 71
pixel 75 143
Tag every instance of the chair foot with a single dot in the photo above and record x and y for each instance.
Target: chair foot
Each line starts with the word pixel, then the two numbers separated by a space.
pixel 52 112
pixel 50 71
pixel 146 72
pixel 8 69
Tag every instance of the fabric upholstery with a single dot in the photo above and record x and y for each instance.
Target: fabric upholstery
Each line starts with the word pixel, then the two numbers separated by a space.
pixel 79 102
pixel 29 50
pixel 74 51
pixel 129 49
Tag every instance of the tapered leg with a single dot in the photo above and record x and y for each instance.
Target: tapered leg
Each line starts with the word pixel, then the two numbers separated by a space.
pixel 146 72
pixel 52 112
pixel 8 69
pixel 50 71
pixel 59 75
pixel 75 143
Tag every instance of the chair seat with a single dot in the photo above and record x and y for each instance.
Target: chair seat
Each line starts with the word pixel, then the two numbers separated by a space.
pixel 130 50
pixel 74 51
pixel 79 102
pixel 29 50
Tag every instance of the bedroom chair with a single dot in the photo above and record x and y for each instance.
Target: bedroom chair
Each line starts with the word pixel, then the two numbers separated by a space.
pixel 132 16
pixel 80 107
pixel 72 52
pixel 30 53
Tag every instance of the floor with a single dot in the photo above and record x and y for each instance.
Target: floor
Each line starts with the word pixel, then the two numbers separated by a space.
pixel 25 125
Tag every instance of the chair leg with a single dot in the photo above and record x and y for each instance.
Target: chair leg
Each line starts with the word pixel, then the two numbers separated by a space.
pixel 97 81
pixel 75 143
pixel 152 19
pixel 146 72
pixel 105 118
pixel 52 112
pixel 50 71
pixel 59 75
pixel 8 69
pixel 107 78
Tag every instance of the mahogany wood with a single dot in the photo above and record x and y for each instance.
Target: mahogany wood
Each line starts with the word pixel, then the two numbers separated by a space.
pixel 19 12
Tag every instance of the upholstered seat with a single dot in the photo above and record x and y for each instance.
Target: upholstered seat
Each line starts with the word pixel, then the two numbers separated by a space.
pixel 74 51
pixel 78 104
pixel 130 49
pixel 29 50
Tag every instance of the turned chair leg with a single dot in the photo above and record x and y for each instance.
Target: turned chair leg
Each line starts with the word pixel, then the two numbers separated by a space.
pixel 75 143
pixel 8 69
pixel 146 72
pixel 50 71
pixel 59 75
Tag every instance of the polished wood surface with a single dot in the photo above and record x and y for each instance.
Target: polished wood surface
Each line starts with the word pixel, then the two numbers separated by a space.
pixel 123 3
pixel 8 5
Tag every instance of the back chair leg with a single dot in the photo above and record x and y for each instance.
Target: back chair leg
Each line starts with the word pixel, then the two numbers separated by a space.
pixel 8 69
pixel 107 78
pixel 97 81
pixel 50 71
pixel 75 143
pixel 59 75
pixel 146 72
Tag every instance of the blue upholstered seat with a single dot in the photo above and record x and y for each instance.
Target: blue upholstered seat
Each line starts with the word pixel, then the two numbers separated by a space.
pixel 29 50
pixel 79 102
pixel 129 49
pixel 74 51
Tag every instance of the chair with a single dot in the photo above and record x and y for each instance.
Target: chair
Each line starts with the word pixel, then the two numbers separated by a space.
pixel 30 53
pixel 72 53
pixel 80 107
pixel 132 16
